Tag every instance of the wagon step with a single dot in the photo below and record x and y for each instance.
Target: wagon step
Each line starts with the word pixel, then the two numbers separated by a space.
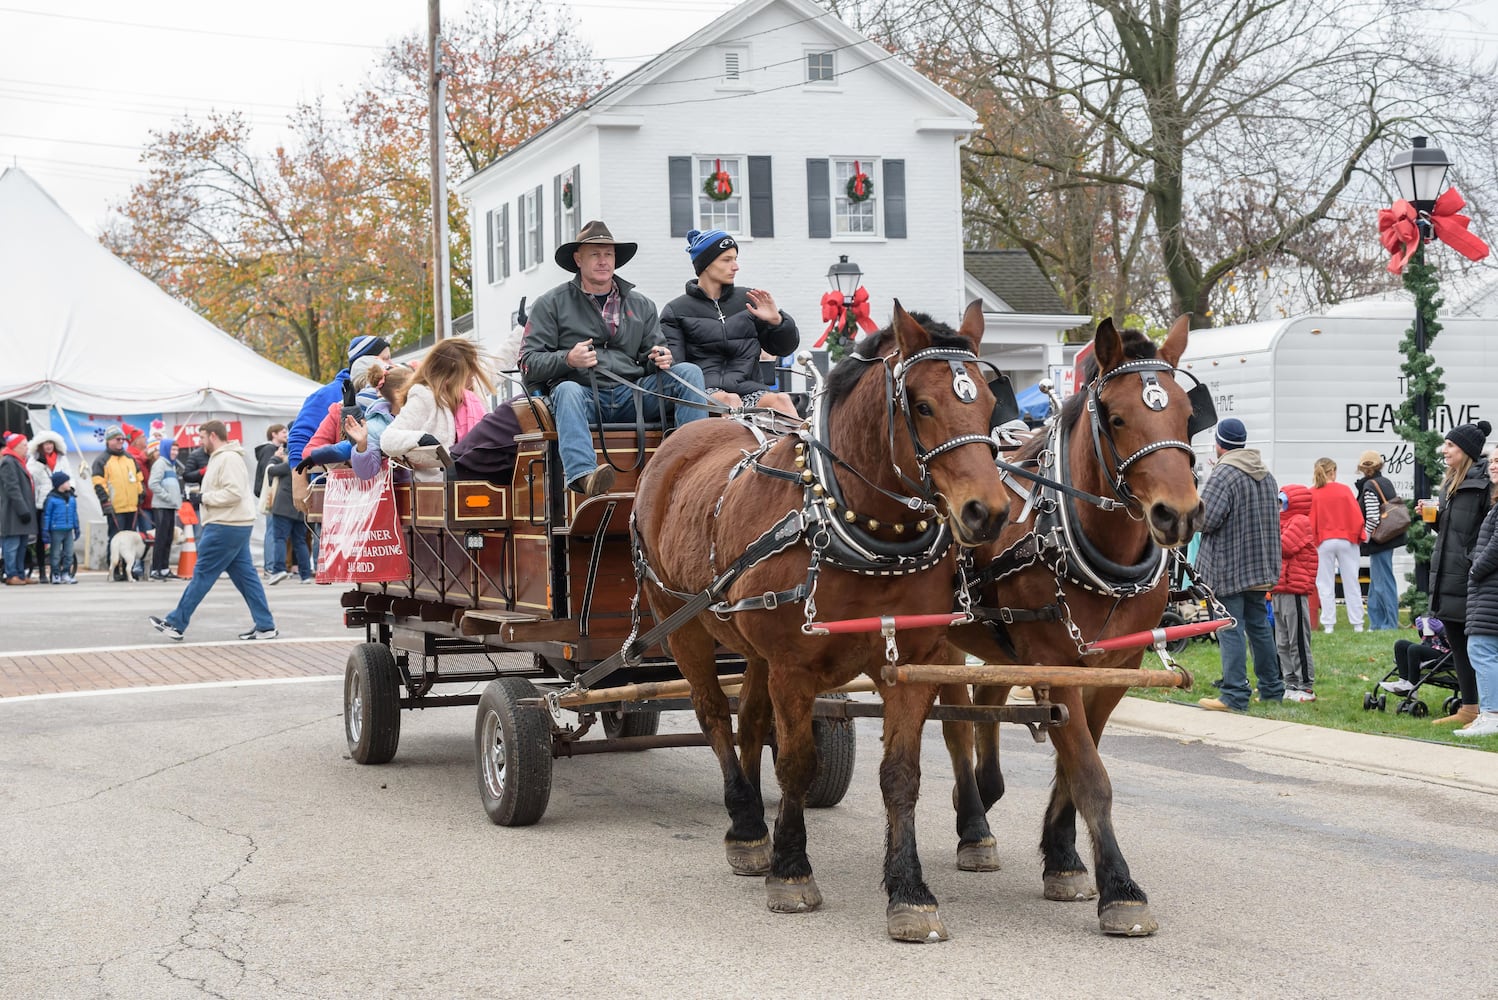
pixel 490 622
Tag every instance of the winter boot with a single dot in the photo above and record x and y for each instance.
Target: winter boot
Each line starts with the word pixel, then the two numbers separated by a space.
pixel 1464 716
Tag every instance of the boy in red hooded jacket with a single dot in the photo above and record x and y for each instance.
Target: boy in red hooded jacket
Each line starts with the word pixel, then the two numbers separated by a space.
pixel 1291 595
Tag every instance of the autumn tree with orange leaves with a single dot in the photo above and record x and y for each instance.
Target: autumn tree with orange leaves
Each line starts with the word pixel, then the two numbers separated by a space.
pixel 298 250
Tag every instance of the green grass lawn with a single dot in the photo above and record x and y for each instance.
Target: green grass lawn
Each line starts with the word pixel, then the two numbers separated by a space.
pixel 1348 666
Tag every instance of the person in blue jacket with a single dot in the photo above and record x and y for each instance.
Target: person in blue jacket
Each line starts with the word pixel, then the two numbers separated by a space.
pixel 60 523
pixel 316 406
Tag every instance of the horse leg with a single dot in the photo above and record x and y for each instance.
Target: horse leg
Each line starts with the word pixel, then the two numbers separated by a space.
pixel 1123 907
pixel 977 851
pixel 754 728
pixel 747 841
pixel 790 887
pixel 912 913
pixel 990 777
pixel 1064 874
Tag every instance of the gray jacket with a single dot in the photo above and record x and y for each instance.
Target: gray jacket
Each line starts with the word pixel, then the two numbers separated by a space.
pixel 165 485
pixel 566 316
pixel 1240 525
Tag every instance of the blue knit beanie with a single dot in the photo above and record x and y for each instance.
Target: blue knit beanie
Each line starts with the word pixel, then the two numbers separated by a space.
pixel 366 344
pixel 1231 434
pixel 705 248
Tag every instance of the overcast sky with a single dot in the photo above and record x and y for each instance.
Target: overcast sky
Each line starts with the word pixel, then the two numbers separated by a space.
pixel 83 82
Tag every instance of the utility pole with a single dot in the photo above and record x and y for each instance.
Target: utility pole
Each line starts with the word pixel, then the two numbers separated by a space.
pixel 436 92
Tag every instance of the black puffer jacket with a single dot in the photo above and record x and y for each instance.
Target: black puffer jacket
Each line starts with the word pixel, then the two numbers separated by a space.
pixel 1482 582
pixel 723 338
pixel 1457 525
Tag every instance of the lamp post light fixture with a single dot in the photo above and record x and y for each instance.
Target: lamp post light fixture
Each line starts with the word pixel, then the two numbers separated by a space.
pixel 844 277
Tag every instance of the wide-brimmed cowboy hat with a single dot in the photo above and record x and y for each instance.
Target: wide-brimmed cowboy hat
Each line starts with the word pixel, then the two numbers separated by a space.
pixel 594 232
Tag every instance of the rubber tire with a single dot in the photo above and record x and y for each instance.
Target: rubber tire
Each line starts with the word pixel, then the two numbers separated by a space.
pixel 1383 702
pixel 1450 705
pixel 516 788
pixel 617 725
pixel 1419 709
pixel 1175 646
pixel 1369 704
pixel 837 751
pixel 371 704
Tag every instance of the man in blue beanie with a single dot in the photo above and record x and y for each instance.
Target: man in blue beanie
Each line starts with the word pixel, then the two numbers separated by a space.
pixel 1240 560
pixel 316 406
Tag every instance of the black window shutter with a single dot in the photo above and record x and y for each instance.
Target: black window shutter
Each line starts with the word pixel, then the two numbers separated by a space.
pixel 761 197
pixel 818 201
pixel 556 207
pixel 540 229
pixel 520 230
pixel 577 201
pixel 489 229
pixel 679 171
pixel 894 199
pixel 504 231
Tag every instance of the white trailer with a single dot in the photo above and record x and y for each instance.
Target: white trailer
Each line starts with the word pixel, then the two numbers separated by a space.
pixel 1328 385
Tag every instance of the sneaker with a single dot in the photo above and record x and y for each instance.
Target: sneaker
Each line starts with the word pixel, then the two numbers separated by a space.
pixel 1327 629
pixel 1485 724
pixel 72 579
pixel 1398 686
pixel 170 631
pixel 58 581
pixel 1214 705
pixel 308 579
pixel 595 483
pixel 1292 695
pixel 276 578
pixel 261 633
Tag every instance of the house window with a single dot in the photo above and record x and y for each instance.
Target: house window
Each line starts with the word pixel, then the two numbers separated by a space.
pixel 567 213
pixel 821 67
pixel 735 65
pixel 727 215
pixel 499 244
pixel 531 226
pixel 849 217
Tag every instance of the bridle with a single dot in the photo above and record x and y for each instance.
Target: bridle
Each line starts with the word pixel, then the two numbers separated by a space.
pixel 1156 398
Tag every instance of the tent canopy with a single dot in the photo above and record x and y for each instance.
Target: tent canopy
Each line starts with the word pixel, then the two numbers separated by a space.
pixel 82 330
pixel 1033 404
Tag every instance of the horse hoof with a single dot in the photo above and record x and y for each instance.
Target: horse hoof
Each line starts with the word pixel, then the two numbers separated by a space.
pixel 978 856
pixel 1127 918
pixel 748 857
pixel 917 924
pixel 1068 887
pixel 793 895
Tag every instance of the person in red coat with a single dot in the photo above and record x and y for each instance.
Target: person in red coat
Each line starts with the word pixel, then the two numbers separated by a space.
pixel 1291 595
pixel 1337 526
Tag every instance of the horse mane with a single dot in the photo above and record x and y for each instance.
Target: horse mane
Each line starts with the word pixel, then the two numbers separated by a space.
pixel 843 377
pixel 1135 347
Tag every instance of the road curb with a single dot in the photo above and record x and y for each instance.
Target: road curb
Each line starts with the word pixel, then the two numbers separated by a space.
pixel 1434 763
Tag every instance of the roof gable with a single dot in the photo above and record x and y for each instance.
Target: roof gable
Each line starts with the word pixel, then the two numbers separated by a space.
pixel 1014 279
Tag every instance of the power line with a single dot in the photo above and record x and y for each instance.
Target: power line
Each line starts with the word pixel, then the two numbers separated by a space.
pixel 188 31
pixel 71 142
pixel 116 92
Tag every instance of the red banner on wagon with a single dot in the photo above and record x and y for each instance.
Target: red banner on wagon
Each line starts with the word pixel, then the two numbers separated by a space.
pixel 361 535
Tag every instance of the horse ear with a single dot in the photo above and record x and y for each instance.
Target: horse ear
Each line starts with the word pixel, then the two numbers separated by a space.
pixel 972 324
pixel 909 334
pixel 1175 341
pixel 1107 347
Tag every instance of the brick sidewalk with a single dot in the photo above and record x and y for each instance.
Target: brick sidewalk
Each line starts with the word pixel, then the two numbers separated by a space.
pixel 146 666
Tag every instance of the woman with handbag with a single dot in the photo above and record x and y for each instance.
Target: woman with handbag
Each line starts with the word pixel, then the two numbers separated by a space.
pixel 1386 527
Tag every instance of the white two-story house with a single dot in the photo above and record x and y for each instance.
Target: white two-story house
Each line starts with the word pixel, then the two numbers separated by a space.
pixel 790 102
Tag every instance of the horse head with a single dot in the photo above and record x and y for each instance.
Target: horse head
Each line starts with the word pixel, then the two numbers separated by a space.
pixel 947 406
pixel 1142 414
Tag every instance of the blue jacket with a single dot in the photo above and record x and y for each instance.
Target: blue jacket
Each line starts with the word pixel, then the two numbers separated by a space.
pixel 310 418
pixel 61 512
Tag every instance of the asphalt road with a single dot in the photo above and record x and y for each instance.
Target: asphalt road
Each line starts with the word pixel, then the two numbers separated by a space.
pixel 216 841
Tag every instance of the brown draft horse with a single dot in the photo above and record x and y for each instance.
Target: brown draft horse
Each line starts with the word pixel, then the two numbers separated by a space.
pixel 1160 511
pixel 714 488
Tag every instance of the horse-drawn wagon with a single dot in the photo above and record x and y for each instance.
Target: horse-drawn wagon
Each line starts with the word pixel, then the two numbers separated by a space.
pixel 652 598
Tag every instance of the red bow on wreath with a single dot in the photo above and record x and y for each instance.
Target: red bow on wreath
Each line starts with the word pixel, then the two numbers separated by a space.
pixel 835 312
pixel 722 183
pixel 1399 231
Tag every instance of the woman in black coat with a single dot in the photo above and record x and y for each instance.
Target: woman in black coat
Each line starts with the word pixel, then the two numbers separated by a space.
pixel 1482 618
pixel 1463 505
pixel 723 329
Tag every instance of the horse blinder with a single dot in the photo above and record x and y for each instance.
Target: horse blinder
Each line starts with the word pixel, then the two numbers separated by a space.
pixel 1203 409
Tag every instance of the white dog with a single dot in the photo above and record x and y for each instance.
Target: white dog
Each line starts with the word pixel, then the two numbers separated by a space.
pixel 126 548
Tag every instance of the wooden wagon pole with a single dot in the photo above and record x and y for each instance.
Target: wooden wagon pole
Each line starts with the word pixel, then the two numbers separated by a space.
pixel 1033 676
pixel 654 690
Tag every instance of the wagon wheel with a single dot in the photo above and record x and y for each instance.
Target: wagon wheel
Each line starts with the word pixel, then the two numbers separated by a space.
pixel 837 747
pixel 514 752
pixel 371 703
pixel 617 725
pixel 1170 619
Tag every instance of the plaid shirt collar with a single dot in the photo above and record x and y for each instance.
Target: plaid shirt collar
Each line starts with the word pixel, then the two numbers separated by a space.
pixel 611 308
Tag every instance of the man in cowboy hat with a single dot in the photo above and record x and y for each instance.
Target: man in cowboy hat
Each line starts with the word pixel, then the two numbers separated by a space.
pixel 589 342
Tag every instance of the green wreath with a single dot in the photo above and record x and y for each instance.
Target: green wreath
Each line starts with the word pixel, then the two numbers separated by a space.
pixel 718 186
pixel 567 193
pixel 853 187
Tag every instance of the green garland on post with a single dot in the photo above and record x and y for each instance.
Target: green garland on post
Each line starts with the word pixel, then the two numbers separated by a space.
pixel 1422 375
pixel 840 340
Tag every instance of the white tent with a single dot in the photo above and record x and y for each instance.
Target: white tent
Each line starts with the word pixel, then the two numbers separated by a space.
pixel 82 330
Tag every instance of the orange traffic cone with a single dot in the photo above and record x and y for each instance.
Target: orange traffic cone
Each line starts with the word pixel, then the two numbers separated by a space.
pixel 187 559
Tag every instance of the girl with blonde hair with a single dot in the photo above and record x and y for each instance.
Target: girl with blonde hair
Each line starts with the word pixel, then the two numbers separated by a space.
pixel 440 405
pixel 1337 529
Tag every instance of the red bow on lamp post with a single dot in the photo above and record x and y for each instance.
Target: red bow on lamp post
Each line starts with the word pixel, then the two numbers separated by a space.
pixel 1399 229
pixel 841 316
